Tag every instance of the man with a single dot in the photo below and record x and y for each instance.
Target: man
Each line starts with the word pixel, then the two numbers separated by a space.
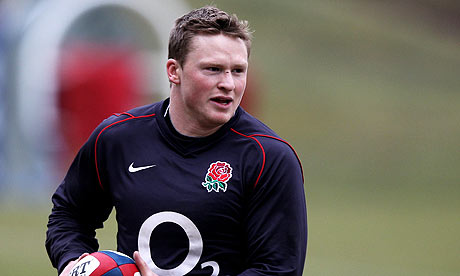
pixel 200 187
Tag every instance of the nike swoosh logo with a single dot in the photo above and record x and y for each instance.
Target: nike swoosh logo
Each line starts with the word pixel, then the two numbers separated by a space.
pixel 136 169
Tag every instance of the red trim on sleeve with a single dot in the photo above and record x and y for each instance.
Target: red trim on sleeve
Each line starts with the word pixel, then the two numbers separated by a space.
pixel 97 138
pixel 263 154
pixel 284 141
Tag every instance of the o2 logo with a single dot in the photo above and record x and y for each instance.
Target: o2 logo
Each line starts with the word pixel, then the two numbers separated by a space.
pixel 194 238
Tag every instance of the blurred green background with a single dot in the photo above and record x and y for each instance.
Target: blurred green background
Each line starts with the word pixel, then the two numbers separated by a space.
pixel 368 94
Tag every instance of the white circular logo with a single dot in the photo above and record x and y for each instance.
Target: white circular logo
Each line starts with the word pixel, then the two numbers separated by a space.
pixel 193 234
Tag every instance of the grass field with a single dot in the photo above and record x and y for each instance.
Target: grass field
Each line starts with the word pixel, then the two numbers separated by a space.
pixel 344 239
pixel 369 97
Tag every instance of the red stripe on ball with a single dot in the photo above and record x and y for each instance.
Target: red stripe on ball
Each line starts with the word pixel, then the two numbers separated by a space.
pixel 107 263
pixel 128 269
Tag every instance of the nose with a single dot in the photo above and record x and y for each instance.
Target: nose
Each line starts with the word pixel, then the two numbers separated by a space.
pixel 226 82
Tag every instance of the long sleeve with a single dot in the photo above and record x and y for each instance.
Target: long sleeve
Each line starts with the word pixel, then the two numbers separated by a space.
pixel 276 225
pixel 80 206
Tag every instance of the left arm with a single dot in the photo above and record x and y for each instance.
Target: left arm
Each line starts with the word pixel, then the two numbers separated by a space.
pixel 276 222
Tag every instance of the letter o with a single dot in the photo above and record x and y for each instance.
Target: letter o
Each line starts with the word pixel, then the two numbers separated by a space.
pixel 193 234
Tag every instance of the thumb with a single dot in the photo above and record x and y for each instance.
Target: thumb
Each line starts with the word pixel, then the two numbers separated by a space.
pixel 142 265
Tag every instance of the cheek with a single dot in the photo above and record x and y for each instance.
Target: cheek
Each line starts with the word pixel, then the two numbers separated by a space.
pixel 201 86
pixel 200 80
pixel 194 87
pixel 240 87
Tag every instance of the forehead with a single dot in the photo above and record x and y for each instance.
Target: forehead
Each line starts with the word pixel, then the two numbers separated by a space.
pixel 220 47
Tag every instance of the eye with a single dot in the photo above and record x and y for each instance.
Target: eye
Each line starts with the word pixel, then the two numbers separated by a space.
pixel 238 70
pixel 213 69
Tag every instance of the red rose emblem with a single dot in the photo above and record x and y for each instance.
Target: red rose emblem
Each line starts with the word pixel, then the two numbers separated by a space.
pixel 220 171
pixel 218 174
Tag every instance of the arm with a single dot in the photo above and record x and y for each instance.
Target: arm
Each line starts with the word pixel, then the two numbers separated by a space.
pixel 80 206
pixel 276 222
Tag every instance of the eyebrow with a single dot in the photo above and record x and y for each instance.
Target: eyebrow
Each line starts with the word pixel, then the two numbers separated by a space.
pixel 217 64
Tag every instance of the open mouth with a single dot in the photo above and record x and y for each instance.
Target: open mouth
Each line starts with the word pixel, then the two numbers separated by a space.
pixel 222 100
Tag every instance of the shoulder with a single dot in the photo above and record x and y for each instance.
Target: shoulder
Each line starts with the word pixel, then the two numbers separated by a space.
pixel 249 125
pixel 146 111
pixel 252 128
pixel 273 148
pixel 123 122
pixel 138 112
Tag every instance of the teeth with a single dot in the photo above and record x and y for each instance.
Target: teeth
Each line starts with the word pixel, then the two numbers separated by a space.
pixel 222 101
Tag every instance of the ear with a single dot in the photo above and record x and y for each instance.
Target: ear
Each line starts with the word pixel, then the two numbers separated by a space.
pixel 173 70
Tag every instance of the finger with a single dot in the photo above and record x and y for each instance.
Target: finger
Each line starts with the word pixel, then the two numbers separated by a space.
pixel 142 265
pixel 82 256
pixel 71 264
pixel 68 268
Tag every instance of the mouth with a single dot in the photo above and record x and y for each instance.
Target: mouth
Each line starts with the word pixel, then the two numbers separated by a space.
pixel 222 100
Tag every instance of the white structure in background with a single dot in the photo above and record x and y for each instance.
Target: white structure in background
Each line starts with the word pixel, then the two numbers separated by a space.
pixel 33 125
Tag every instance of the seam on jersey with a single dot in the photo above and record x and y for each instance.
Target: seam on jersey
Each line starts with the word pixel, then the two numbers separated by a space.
pixel 129 114
pixel 123 113
pixel 105 128
pixel 284 141
pixel 263 154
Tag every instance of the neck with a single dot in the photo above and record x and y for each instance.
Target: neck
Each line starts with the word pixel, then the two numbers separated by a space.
pixel 184 123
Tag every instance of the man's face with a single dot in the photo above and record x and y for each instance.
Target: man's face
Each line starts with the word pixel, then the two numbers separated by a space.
pixel 212 80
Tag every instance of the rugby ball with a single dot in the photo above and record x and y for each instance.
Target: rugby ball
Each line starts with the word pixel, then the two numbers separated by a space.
pixel 105 263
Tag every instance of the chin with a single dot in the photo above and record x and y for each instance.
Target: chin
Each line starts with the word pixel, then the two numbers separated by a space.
pixel 221 119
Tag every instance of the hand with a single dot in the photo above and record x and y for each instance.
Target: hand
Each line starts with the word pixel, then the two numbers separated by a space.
pixel 71 264
pixel 142 265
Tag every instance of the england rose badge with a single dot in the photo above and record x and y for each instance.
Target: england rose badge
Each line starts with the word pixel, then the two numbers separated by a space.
pixel 217 177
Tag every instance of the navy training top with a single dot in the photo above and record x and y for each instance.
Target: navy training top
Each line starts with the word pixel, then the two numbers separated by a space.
pixel 231 203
